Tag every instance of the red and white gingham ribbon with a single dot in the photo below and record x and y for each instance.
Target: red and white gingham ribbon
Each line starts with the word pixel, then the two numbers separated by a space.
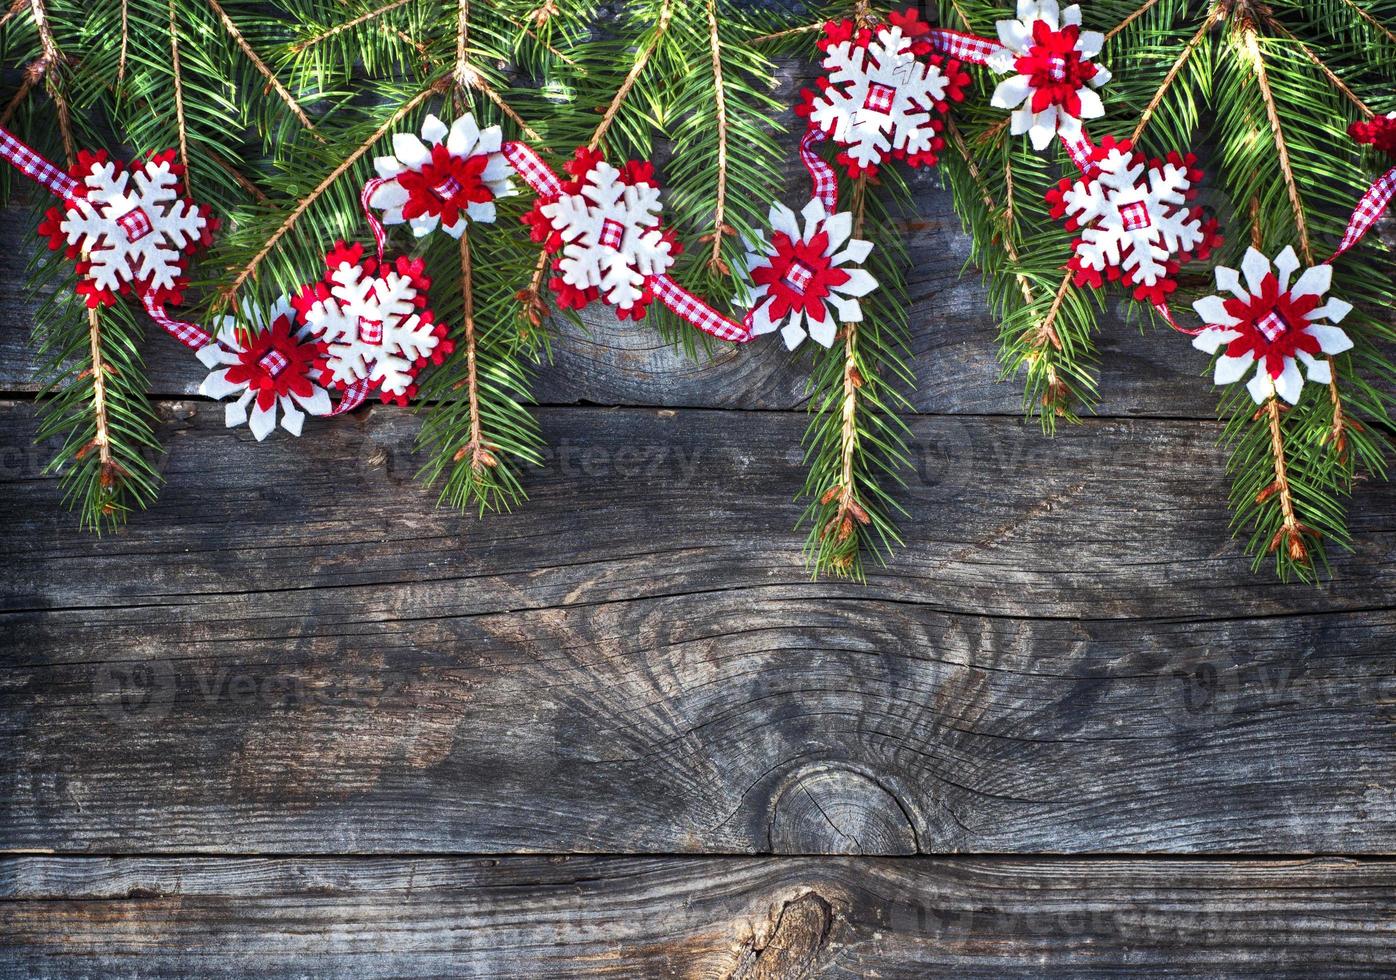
pixel 688 307
pixel 1368 211
pixel 693 310
pixel 191 335
pixel 531 168
pixel 1080 149
pixel 352 398
pixel 824 182
pixel 35 167
pixel 374 225
pixel 966 47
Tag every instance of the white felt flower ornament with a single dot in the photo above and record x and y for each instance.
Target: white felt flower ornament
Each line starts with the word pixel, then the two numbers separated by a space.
pixel 1270 321
pixel 1052 76
pixel 264 364
pixel 802 279
pixel 448 184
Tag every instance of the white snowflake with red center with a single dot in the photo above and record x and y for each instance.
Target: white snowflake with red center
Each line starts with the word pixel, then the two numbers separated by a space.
pixel 374 321
pixel 1049 56
pixel 885 94
pixel 1135 219
pixel 604 227
pixel 129 228
pixel 449 184
pixel 267 363
pixel 800 280
pixel 1271 321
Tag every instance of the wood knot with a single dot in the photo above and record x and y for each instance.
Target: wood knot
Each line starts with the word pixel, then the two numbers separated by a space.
pixel 791 948
pixel 839 811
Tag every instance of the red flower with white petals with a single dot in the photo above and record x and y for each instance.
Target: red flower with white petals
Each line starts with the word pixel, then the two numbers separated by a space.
pixel 457 178
pixel 1379 132
pixel 268 367
pixel 1053 75
pixel 885 95
pixel 1135 219
pixel 805 280
pixel 1270 321
pixel 604 231
pixel 374 322
pixel 129 228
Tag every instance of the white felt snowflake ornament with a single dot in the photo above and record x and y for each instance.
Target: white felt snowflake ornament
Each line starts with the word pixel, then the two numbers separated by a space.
pixel 453 181
pixel 604 228
pixel 1135 219
pixel 265 364
pixel 374 321
pixel 1270 321
pixel 129 228
pixel 1052 77
pixel 884 95
pixel 803 280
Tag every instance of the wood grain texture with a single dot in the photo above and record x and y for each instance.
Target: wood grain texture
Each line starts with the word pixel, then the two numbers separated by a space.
pixel 712 918
pixel 298 652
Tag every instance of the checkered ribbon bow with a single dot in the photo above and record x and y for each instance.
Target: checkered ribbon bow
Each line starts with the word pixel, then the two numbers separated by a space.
pixel 62 185
pixel 685 305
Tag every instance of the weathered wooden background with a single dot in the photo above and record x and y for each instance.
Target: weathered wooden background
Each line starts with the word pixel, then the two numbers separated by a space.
pixel 298 721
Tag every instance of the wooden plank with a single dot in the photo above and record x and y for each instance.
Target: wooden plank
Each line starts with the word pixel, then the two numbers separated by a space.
pixel 712 917
pixel 297 652
pixel 616 363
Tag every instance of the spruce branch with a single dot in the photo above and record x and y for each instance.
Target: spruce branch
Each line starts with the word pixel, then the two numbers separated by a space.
pixel 1215 13
pixel 1291 532
pixel 720 108
pixel 850 512
pixel 1134 15
pixel 349 25
pixel 1371 20
pixel 33 74
pixel 55 90
pixel 642 59
pixel 1251 46
pixel 125 41
pixel 788 33
pixel 97 370
pixel 249 269
pixel 1274 24
pixel 12 11
pixel 178 89
pixel 261 67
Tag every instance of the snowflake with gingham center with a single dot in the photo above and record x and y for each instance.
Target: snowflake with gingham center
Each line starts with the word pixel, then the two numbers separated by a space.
pixel 881 97
pixel 373 327
pixel 611 234
pixel 1134 216
pixel 133 225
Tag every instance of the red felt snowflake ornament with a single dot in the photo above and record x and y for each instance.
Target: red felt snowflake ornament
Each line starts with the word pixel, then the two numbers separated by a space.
pixel 1136 218
pixel 884 94
pixel 1379 132
pixel 374 322
pixel 129 228
pixel 604 232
